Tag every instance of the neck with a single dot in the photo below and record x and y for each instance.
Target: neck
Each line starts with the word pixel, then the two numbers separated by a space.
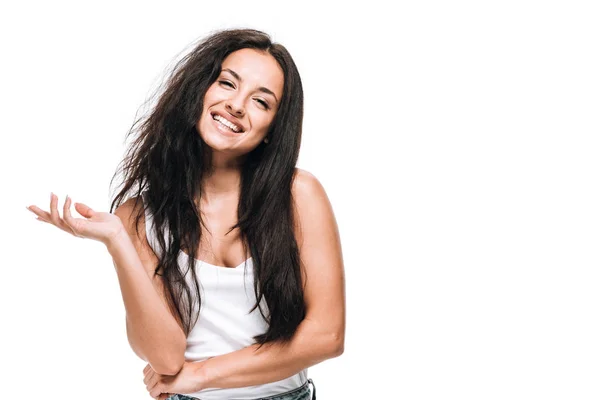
pixel 223 181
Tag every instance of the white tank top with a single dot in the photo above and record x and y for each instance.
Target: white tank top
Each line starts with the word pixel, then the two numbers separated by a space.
pixel 225 324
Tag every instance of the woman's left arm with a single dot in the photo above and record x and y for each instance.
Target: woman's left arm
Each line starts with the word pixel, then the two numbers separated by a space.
pixel 320 335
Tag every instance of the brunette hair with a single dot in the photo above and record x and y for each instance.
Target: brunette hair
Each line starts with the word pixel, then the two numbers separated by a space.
pixel 168 159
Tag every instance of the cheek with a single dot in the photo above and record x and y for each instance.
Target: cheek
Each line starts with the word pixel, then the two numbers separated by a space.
pixel 261 124
pixel 269 121
pixel 212 95
pixel 210 98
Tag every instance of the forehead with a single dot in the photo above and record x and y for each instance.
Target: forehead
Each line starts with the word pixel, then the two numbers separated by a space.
pixel 256 68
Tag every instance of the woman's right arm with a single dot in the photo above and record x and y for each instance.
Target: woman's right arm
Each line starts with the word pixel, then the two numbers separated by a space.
pixel 154 334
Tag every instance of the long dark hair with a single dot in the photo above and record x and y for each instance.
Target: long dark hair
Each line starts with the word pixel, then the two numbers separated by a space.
pixel 168 159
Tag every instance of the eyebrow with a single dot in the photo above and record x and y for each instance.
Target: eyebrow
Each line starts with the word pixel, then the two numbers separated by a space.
pixel 239 78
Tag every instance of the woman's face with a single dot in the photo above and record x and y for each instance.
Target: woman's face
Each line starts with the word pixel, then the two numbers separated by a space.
pixel 244 97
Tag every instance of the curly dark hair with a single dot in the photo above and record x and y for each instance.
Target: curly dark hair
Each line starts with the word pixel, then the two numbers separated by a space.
pixel 168 159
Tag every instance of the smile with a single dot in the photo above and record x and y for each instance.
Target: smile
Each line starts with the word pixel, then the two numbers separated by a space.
pixel 225 123
pixel 225 130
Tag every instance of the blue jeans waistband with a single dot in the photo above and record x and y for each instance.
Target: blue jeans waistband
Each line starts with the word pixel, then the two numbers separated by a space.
pixel 301 393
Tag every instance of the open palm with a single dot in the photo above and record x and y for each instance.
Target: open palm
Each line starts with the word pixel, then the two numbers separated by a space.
pixel 101 226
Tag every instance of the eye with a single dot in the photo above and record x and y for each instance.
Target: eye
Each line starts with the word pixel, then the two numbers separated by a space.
pixel 264 103
pixel 226 83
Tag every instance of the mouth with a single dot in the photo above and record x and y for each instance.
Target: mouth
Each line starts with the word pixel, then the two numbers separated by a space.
pixel 226 124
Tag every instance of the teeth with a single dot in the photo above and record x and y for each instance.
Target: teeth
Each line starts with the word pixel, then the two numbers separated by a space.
pixel 228 124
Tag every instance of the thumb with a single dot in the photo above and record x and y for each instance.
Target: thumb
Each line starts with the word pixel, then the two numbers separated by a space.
pixel 84 210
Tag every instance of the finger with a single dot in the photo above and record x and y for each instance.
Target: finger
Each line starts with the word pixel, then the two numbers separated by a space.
pixel 147 377
pixel 157 391
pixel 66 210
pixel 42 215
pixel 84 210
pixel 154 386
pixel 69 220
pixel 147 374
pixel 54 217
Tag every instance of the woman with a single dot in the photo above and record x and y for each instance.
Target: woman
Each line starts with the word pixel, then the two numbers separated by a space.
pixel 228 256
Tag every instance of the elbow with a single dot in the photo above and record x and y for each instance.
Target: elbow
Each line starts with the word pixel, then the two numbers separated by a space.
pixel 177 364
pixel 173 369
pixel 336 345
pixel 172 363
pixel 163 369
pixel 169 367
pixel 339 348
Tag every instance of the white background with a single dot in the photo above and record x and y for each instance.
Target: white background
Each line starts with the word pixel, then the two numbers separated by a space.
pixel 458 144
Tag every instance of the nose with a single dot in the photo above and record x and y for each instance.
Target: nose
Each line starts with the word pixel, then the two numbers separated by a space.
pixel 235 106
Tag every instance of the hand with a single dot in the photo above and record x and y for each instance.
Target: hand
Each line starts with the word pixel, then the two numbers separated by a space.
pixel 188 380
pixel 100 226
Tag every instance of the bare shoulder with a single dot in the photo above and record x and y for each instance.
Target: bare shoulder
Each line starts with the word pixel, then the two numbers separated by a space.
pixel 314 219
pixel 308 190
pixel 304 181
pixel 310 199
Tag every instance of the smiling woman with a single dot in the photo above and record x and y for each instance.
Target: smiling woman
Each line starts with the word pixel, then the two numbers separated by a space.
pixel 228 255
pixel 242 102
